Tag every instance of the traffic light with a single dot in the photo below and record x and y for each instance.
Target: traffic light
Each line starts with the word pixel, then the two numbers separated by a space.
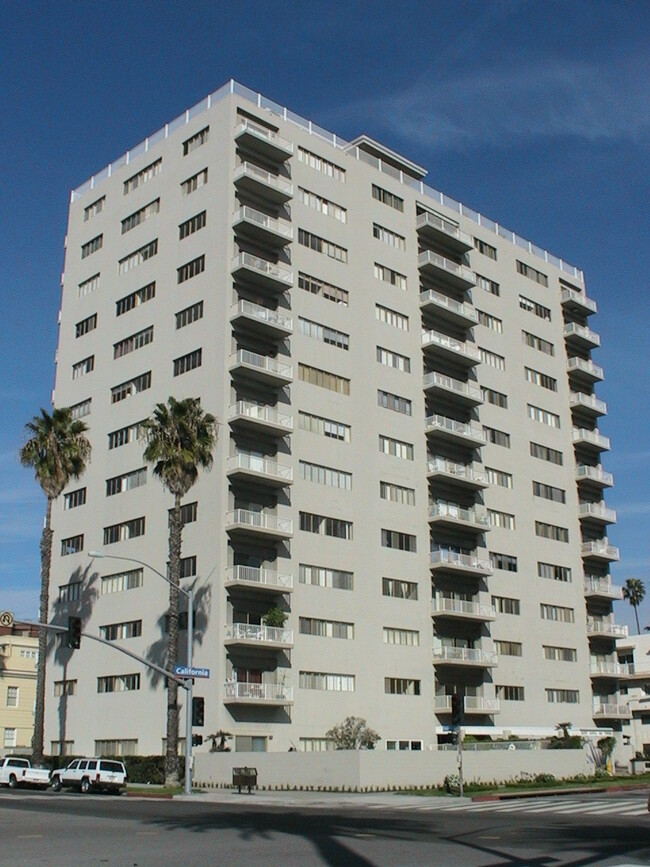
pixel 198 711
pixel 74 632
pixel 457 709
pixel 197 740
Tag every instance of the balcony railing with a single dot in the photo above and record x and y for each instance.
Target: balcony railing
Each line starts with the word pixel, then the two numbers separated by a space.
pixel 466 655
pixel 263 634
pixel 459 348
pixel 428 220
pixel 274 271
pixel 255 173
pixel 586 367
pixel 464 430
pixel 457 513
pixel 467 562
pixel 264 467
pixel 260 520
pixel 254 692
pixel 264 578
pixel 444 302
pixel 582 436
pixel 603 587
pixel 594 474
pixel 606 627
pixel 473 704
pixel 600 548
pixel 261 413
pixel 609 669
pixel 598 511
pixel 461 608
pixel 463 472
pixel 572 297
pixel 264 222
pixel 460 274
pixel 263 363
pixel 612 711
pixel 588 402
pixel 263 315
pixel 581 333
pixel 264 135
pixel 466 390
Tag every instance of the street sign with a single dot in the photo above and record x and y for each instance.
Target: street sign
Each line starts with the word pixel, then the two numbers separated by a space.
pixel 6 618
pixel 185 671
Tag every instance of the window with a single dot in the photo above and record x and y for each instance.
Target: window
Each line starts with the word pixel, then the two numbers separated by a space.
pixel 124 747
pixel 506 605
pixel 324 526
pixel 118 683
pixel 555 573
pixel 325 628
pixel 192 184
pixel 320 287
pixel 189 227
pixel 488 285
pixel 82 409
pixel 496 398
pixel 401 686
pixel 323 379
pixel 485 248
pixel 124 435
pixel 393 359
pixel 399 541
pixel 88 286
pixel 140 216
pixel 496 437
pixel 392 317
pixel 501 519
pixel 86 325
pixel 387 198
pixel 560 654
pixel 398 589
pixel 81 368
pixel 404 745
pixel 12 696
pixel 134 299
pixel 545 453
pixel 387 275
pixel 143 176
pixel 316 745
pixel 397 494
pixel 533 307
pixel 189 513
pixel 325 476
pixel 395 448
pixel 70 592
pixel 320 245
pixel 124 531
pixel 28 653
pixel 498 477
pixel 126 482
pixel 10 737
pixel 532 273
pixel 120 581
pixel 74 499
pixel 325 427
pixel 324 333
pixel 93 209
pixel 327 682
pixel 538 343
pixel 503 561
pixel 548 492
pixel 541 379
pixel 562 696
pixel 330 209
pixel 387 237
pixel 190 269
pixel 321 165
pixel 510 693
pixel 62 748
pixel 543 416
pixel 187 362
pixel 321 576
pixel 195 141
pixel 405 637
pixel 394 402
pixel 557 613
pixel 133 260
pixel 550 531
pixel 64 687
pixel 117 631
pixel 188 566
pixel 92 246
pixel 131 387
pixel 508 648
pixel 491 322
pixel 135 341
pixel 492 359
pixel 72 545
pixel 189 315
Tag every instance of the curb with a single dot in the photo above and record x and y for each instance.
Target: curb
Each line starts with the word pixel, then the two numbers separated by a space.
pixel 547 793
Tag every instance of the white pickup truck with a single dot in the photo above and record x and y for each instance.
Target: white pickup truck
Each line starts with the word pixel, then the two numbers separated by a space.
pixel 15 772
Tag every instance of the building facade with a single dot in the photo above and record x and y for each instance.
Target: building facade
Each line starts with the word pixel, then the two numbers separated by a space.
pixel 408 462
pixel 18 662
pixel 634 660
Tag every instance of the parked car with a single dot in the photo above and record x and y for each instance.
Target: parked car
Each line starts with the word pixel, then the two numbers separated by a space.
pixel 98 775
pixel 16 772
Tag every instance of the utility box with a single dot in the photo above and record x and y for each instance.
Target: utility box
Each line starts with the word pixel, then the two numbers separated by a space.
pixel 244 777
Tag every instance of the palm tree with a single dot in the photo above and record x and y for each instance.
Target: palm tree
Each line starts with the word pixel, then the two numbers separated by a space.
pixel 634 592
pixel 58 452
pixel 180 440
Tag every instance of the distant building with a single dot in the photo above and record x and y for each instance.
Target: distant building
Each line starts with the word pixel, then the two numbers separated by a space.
pixel 18 662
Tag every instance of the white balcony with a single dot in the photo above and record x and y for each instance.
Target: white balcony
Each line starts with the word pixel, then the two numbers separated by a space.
pixel 464 656
pixel 459 564
pixel 436 344
pixel 608 669
pixel 264 141
pixel 261 368
pixel 596 513
pixel 272 694
pixel 463 433
pixel 581 336
pixel 258 181
pixel 611 711
pixel 587 403
pixel 584 370
pixel 578 302
pixel 258 524
pixel 590 439
pixel 595 475
pixel 454 517
pixel 445 271
pixel 259 470
pixel 438 231
pixel 252 635
pixel 466 393
pixel 602 588
pixel 265 230
pixel 444 307
pixel 260 418
pixel 460 474
pixel 600 549
pixel 474 704
pixel 262 273
pixel 261 319
pixel 607 629
pixel 259 580
pixel 459 609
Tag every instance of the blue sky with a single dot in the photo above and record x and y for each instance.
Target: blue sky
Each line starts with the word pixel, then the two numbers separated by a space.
pixel 535 113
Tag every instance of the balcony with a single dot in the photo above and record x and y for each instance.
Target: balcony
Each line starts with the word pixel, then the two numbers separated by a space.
pixel 259 182
pixel 606 629
pixel 462 433
pixel 587 403
pixel 608 669
pixel 259 525
pixel 444 307
pixel 261 368
pixel 453 563
pixel 438 231
pixel 263 141
pixel 262 273
pixel 594 475
pixel 592 440
pixel 466 393
pixel 584 370
pixel 261 228
pixel 459 609
pixel 252 635
pixel 259 580
pixel 439 345
pixel 611 711
pixel 580 336
pixel 602 588
pixel 270 694
pixel 264 472
pixel 259 418
pixel 474 704
pixel 454 517
pixel 463 475
pixel 262 320
pixel 467 657
pixel 599 549
pixel 578 303
pixel 596 513
pixel 445 271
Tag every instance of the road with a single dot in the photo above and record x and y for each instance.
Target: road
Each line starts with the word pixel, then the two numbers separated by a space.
pixel 73 829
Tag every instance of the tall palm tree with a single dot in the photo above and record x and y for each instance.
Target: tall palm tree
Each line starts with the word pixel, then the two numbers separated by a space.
pixel 180 440
pixel 634 592
pixel 58 451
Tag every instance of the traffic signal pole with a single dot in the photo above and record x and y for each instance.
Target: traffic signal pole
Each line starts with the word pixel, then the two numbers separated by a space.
pixel 188 696
pixel 460 761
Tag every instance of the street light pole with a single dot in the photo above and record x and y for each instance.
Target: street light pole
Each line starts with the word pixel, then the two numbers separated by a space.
pixel 190 643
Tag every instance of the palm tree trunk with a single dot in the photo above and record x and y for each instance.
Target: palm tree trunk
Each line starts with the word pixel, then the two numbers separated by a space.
pixel 43 617
pixel 636 614
pixel 171 755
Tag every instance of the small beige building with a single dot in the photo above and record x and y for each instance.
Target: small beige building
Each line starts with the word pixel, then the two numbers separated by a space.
pixel 18 662
pixel 634 656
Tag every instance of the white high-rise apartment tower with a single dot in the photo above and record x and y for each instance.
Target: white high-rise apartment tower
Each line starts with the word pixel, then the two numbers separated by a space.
pixel 408 460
